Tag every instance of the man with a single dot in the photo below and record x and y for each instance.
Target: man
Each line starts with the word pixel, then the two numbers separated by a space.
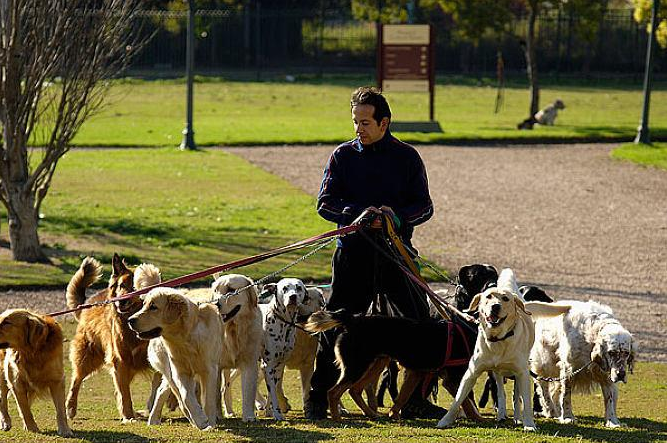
pixel 373 173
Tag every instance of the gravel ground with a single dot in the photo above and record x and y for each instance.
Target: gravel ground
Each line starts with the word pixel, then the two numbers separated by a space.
pixel 564 217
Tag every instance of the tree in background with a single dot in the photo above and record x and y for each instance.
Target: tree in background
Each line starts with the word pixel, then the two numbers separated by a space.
pixel 643 10
pixel 55 58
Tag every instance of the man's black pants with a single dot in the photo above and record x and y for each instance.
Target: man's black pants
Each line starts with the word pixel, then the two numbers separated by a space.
pixel 359 273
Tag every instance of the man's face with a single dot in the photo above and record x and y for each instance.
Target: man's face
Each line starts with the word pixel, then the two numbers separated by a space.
pixel 365 126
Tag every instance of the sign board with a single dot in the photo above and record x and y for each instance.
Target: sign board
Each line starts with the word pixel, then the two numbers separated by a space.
pixel 406 59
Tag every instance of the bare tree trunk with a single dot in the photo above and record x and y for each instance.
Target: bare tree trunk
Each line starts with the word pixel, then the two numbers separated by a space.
pixel 53 82
pixel 23 237
pixel 531 62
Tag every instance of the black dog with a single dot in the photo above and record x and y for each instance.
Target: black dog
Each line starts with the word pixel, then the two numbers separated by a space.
pixel 473 279
pixel 368 343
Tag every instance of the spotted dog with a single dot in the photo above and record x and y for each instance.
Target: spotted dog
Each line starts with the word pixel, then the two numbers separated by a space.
pixel 278 318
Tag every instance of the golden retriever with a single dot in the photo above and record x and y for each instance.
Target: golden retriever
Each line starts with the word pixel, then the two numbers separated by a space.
pixel 243 336
pixel 506 336
pixel 103 337
pixel 186 348
pixel 32 364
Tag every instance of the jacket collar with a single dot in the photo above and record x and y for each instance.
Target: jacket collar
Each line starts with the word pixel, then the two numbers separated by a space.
pixel 378 146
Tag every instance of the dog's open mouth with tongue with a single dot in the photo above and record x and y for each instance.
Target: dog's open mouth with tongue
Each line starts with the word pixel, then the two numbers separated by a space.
pixel 493 320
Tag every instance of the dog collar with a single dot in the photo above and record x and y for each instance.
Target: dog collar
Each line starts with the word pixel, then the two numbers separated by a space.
pixel 504 337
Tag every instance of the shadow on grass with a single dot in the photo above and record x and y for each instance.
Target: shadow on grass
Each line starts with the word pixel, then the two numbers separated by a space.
pixel 260 432
pixel 637 430
pixel 98 436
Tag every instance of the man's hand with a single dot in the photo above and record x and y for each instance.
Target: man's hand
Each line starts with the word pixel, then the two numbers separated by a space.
pixel 370 213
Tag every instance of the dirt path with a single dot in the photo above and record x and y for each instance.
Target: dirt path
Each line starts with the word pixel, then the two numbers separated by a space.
pixel 565 217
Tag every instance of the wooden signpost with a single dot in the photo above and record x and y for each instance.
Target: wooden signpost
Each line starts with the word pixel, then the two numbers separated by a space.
pixel 406 60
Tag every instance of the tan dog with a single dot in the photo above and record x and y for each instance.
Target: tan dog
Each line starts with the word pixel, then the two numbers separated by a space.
pixel 31 365
pixel 236 298
pixel 506 336
pixel 186 349
pixel 103 337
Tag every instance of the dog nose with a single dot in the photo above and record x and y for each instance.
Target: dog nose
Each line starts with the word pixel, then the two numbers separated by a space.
pixel 132 321
pixel 496 308
pixel 292 299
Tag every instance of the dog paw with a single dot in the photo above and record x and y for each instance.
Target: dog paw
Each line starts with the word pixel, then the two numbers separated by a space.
pixel 71 412
pixel 444 423
pixel 229 415
pixel 615 424
pixel 208 428
pixel 5 425
pixel 529 428
pixel 127 420
pixel 66 432
pixel 566 420
pixel 141 413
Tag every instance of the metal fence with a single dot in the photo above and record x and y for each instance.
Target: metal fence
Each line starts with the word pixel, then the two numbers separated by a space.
pixel 257 40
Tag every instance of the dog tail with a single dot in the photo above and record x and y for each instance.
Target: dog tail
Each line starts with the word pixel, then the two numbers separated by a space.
pixel 322 321
pixel 146 275
pixel 541 309
pixel 88 274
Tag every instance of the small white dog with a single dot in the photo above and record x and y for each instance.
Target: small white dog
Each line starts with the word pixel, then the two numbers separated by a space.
pixel 506 335
pixel 547 116
pixel 589 337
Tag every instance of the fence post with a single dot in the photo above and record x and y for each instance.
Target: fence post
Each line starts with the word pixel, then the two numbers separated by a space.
pixel 188 141
pixel 643 135
pixel 258 42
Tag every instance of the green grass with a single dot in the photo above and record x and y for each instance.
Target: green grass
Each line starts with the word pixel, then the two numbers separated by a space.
pixel 151 113
pixel 183 211
pixel 641 407
pixel 648 155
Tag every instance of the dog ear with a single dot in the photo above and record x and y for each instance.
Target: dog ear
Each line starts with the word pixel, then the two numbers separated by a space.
pixel 631 357
pixel 474 303
pixel 597 355
pixel 268 290
pixel 36 332
pixel 520 305
pixel 174 309
pixel 118 265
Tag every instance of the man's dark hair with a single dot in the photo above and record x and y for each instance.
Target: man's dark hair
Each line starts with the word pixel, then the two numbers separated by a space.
pixel 367 95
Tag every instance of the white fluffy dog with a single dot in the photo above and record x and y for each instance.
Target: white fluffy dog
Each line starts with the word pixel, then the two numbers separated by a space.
pixel 506 335
pixel 589 337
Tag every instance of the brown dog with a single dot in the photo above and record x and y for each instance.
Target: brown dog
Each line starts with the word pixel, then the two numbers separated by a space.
pixel 103 337
pixel 31 365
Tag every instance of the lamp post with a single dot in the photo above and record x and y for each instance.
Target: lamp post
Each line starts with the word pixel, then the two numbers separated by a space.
pixel 643 135
pixel 188 141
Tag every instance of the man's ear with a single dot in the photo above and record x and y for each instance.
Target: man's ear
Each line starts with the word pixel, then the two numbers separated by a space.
pixel 384 123
pixel 474 303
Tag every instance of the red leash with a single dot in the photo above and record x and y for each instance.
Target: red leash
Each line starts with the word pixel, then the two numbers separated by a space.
pixel 220 268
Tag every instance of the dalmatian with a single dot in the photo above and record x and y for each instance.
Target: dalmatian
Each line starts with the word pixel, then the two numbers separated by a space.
pixel 278 322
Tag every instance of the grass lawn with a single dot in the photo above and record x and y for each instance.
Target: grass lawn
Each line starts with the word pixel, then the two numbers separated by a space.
pixel 151 113
pixel 183 211
pixel 650 155
pixel 641 407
